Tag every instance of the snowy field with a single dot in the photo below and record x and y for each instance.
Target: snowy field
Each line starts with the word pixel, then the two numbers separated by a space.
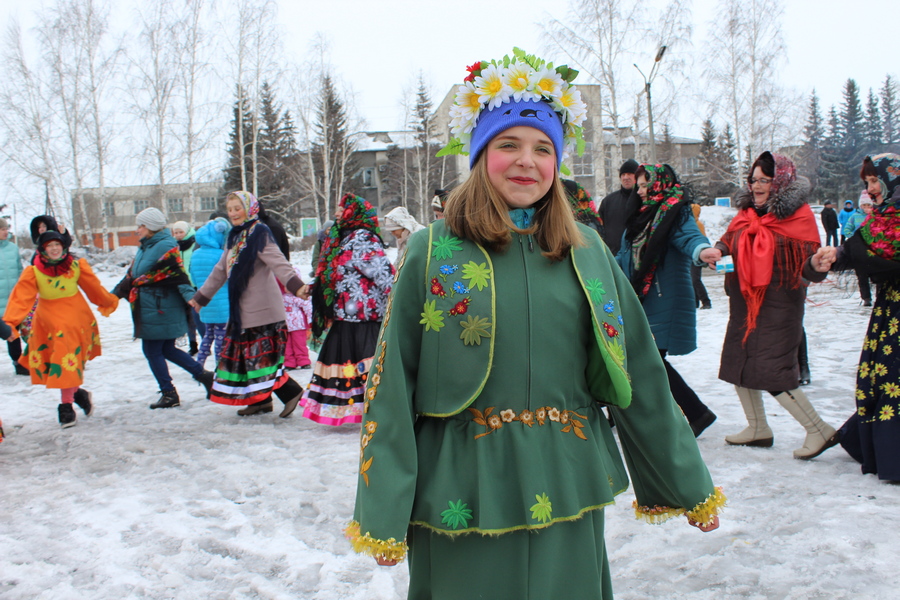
pixel 198 503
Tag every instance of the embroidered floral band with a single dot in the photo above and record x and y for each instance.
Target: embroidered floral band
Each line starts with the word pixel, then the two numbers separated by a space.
pixel 703 513
pixel 541 416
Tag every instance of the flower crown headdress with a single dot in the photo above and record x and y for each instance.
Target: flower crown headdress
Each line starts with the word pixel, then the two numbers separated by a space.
pixel 520 77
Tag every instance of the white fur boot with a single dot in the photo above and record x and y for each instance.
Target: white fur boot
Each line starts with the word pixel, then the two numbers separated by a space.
pixel 757 432
pixel 820 436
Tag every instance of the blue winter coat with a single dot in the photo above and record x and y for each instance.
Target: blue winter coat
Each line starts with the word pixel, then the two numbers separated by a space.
pixel 853 223
pixel 670 304
pixel 163 311
pixel 210 244
pixel 844 216
pixel 10 269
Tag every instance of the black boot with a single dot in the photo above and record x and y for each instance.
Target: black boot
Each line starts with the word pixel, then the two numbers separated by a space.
pixel 264 406
pixel 20 370
pixel 194 349
pixel 206 378
pixel 169 399
pixel 83 399
pixel 66 416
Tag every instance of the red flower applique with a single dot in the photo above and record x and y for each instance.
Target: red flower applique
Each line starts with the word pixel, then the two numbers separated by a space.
pixel 461 307
pixel 610 330
pixel 436 288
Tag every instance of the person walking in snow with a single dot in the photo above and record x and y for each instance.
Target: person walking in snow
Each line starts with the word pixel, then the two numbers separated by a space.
pixel 485 456
pixel 64 332
pixel 770 239
pixel 660 244
pixel 210 241
pixel 844 216
pixel 251 365
pixel 158 289
pixel 613 209
pixel 872 434
pixel 830 224
pixel 10 269
pixel 349 294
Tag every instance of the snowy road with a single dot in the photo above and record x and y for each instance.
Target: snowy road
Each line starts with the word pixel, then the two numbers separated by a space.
pixel 195 502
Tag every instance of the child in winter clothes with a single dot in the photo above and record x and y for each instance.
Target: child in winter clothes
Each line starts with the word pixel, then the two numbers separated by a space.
pixel 64 334
pixel 299 315
pixel 210 244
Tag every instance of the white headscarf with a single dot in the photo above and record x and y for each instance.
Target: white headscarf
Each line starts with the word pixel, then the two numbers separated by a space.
pixel 399 218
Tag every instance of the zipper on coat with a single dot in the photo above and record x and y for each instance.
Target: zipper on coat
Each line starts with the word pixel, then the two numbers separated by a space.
pixel 527 325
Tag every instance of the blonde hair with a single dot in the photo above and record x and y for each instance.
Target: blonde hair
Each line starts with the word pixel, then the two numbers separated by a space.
pixel 476 211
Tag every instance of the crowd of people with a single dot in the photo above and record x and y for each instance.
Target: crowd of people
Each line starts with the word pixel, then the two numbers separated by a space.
pixel 495 338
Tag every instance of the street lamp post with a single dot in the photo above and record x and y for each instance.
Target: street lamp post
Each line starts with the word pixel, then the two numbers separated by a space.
pixel 647 82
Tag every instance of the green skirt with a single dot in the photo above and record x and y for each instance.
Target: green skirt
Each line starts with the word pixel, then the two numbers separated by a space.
pixel 567 560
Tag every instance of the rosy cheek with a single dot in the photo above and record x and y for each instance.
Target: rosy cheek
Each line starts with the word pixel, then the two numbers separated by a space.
pixel 496 164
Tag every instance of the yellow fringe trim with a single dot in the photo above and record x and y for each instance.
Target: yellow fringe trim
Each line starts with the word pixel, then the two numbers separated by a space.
pixel 366 544
pixel 703 513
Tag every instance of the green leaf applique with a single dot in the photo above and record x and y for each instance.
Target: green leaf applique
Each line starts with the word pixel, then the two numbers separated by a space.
pixel 474 328
pixel 432 318
pixel 541 511
pixel 445 246
pixel 617 352
pixel 457 515
pixel 477 275
pixel 595 288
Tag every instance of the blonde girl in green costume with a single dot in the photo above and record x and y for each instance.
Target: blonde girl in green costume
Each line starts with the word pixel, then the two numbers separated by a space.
pixel 485 456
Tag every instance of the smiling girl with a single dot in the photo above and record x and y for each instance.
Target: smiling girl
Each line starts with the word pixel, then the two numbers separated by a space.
pixel 508 327
pixel 64 334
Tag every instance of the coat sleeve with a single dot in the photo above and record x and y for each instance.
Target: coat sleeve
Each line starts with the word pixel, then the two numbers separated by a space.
pixel 388 460
pixel 686 236
pixel 22 298
pixel 95 291
pixel 663 459
pixel 273 258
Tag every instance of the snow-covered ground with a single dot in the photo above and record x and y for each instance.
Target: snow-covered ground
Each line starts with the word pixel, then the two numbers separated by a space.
pixel 196 502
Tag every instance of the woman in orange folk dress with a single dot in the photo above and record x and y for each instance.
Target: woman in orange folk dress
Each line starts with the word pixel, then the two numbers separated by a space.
pixel 64 333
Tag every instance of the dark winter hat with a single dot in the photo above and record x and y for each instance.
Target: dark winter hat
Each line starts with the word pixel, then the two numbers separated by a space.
pixel 527 113
pixel 828 203
pixel 629 166
pixel 49 236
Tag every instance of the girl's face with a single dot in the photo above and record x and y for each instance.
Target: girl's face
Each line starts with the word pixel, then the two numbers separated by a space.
pixel 179 234
pixel 873 186
pixel 143 232
pixel 42 227
pixel 521 165
pixel 54 249
pixel 642 187
pixel 868 208
pixel 237 214
pixel 761 186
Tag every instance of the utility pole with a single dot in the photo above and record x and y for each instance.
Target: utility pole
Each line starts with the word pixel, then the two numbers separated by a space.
pixel 647 82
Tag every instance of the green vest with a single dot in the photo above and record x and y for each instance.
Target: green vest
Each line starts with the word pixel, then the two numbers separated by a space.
pixel 458 321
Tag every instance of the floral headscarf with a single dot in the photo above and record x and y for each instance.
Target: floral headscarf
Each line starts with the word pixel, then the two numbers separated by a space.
pixel 648 229
pixel 785 172
pixel 355 213
pixel 881 230
pixel 245 242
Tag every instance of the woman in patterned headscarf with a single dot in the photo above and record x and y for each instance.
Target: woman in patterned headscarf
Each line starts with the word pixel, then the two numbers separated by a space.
pixel 770 239
pixel 251 365
pixel 353 280
pixel 660 243
pixel 872 434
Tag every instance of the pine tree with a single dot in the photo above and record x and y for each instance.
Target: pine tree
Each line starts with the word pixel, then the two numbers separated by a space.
pixel 813 139
pixel 890 113
pixel 830 172
pixel 332 150
pixel 242 120
pixel 872 129
pixel 851 119
pixel 270 176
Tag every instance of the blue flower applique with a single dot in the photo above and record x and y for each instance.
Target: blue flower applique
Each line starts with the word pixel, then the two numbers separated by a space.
pixel 446 270
pixel 621 322
pixel 460 288
pixel 609 307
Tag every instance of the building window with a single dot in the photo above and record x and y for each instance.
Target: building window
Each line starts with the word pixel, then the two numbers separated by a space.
pixel 140 205
pixel 208 203
pixel 583 166
pixel 368 177
pixel 110 208
pixel 692 164
pixel 176 205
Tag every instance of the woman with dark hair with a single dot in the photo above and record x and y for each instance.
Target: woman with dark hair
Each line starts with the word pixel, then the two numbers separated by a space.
pixel 770 239
pixel 353 280
pixel 484 452
pixel 872 434
pixel 660 243
pixel 251 364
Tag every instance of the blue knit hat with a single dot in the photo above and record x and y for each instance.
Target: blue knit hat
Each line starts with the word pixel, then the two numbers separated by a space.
pixel 527 113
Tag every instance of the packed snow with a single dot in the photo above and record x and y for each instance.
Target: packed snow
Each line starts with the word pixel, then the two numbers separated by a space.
pixel 196 502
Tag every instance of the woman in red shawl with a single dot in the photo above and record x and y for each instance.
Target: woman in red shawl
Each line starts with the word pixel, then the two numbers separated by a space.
pixel 770 239
pixel 872 434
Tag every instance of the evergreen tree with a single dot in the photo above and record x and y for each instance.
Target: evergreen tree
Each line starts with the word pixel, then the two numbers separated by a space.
pixel 873 131
pixel 851 119
pixel 665 149
pixel 332 150
pixel 813 139
pixel 831 184
pixel 890 114
pixel 242 121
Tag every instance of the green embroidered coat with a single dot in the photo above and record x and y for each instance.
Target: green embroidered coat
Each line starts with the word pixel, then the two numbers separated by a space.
pixel 483 407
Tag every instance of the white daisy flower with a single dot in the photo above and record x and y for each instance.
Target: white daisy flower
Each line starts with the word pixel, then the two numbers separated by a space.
pixel 518 76
pixel 548 82
pixel 570 106
pixel 491 88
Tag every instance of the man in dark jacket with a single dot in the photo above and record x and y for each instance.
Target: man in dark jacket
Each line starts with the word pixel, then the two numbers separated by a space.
pixel 613 207
pixel 830 224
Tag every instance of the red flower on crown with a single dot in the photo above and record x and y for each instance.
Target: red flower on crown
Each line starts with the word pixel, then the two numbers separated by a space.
pixel 473 71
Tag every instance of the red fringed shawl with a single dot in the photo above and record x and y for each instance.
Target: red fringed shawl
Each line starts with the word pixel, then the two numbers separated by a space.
pixel 758 249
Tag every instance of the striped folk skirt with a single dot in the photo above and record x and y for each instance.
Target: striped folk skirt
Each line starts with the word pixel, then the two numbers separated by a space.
pixel 251 366
pixel 335 392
